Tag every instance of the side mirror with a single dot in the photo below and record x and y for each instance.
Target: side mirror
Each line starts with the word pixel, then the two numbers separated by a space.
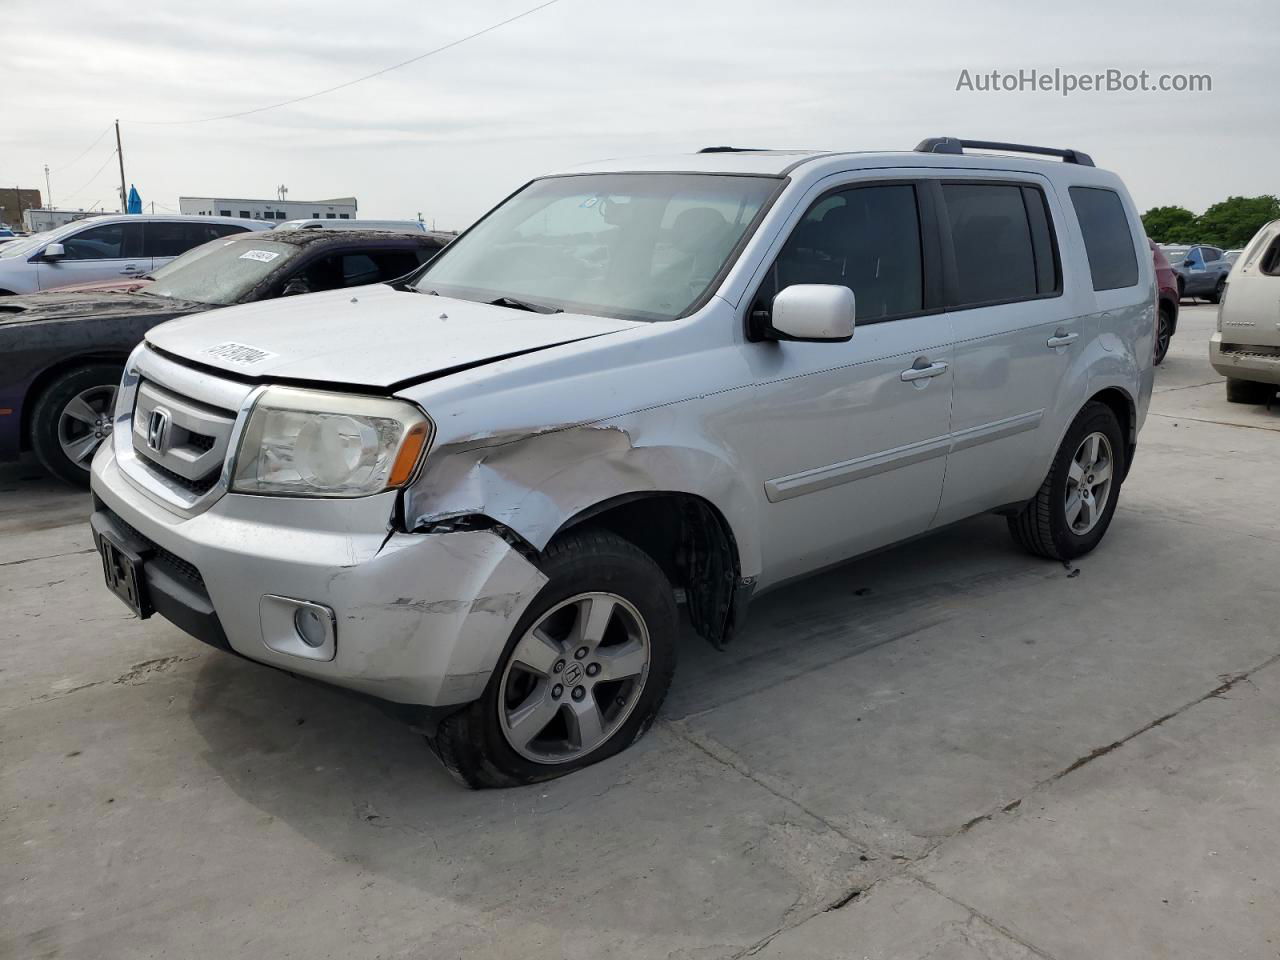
pixel 814 312
pixel 54 251
pixel 1188 262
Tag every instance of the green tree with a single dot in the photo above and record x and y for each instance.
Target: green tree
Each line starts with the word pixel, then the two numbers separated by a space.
pixel 1170 225
pixel 1233 222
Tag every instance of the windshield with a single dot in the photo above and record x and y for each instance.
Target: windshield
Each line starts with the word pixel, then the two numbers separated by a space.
pixel 634 246
pixel 220 271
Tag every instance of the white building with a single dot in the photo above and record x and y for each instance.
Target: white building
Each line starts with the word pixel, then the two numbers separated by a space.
pixel 342 208
pixel 40 219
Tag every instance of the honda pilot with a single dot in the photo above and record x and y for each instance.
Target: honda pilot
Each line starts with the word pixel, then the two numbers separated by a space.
pixel 631 393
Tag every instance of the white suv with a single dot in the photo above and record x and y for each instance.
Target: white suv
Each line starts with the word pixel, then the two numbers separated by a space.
pixel 484 488
pixel 1246 348
pixel 107 248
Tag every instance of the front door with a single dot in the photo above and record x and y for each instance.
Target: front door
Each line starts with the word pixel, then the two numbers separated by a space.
pixel 108 251
pixel 848 440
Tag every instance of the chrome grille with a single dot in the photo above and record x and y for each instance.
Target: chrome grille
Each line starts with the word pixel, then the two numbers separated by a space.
pixel 171 431
pixel 175 428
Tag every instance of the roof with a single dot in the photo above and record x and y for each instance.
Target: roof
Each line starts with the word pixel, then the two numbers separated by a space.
pixel 335 201
pixel 313 238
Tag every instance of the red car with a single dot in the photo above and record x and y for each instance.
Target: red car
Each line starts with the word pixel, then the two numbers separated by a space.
pixel 1166 301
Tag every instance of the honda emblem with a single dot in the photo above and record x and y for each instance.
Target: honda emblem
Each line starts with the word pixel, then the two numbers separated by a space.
pixel 158 429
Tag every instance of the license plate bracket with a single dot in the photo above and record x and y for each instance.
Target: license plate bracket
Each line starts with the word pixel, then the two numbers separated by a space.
pixel 123 570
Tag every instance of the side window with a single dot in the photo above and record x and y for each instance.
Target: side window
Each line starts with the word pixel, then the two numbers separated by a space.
pixel 1212 254
pixel 1270 264
pixel 863 238
pixel 111 241
pixel 1107 238
pixel 1003 243
pixel 165 239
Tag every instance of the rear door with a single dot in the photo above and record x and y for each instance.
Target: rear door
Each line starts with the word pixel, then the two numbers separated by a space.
pixel 107 251
pixel 166 239
pixel 1017 334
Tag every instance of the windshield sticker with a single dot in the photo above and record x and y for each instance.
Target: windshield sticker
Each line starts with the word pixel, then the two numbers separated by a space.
pixel 262 256
pixel 233 352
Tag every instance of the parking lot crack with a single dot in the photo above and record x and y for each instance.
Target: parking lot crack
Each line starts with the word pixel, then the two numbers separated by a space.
pixel 52 556
pixel 990 922
pixel 726 757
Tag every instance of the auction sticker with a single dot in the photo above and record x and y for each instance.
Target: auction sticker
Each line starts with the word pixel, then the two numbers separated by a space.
pixel 262 256
pixel 233 352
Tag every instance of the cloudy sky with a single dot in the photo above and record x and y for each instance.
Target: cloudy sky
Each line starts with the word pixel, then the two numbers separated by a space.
pixel 586 79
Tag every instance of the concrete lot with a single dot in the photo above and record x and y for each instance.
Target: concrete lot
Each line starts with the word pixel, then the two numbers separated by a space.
pixel 949 750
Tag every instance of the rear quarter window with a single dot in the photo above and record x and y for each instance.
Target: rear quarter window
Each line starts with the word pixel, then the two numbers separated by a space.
pixel 1107 237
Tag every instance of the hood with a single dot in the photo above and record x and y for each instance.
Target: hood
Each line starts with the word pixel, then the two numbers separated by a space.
pixel 368 336
pixel 64 305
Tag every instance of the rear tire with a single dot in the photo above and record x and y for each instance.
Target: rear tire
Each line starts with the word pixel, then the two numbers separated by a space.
pixel 502 740
pixel 1249 391
pixel 1164 334
pixel 1216 295
pixel 1059 523
pixel 72 417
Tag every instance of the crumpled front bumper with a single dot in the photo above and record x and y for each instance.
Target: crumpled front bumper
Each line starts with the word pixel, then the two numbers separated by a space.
pixel 419 618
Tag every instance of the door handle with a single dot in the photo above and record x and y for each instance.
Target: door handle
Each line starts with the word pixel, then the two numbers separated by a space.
pixel 922 369
pixel 129 270
pixel 1062 339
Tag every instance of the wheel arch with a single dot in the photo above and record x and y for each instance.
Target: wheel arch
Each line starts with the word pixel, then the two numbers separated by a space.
pixel 45 377
pixel 1123 406
pixel 693 543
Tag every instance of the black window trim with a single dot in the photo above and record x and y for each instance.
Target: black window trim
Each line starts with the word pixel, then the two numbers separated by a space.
pixel 952 276
pixel 931 266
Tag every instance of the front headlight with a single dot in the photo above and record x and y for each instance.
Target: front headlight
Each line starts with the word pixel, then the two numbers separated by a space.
pixel 309 443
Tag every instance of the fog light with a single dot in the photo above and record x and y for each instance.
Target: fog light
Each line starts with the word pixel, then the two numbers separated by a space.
pixel 311 626
pixel 299 628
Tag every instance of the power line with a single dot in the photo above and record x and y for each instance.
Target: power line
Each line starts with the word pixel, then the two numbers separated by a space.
pixel 83 152
pixel 352 83
pixel 110 157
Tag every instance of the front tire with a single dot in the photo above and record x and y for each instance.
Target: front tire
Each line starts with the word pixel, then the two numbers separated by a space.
pixel 582 675
pixel 1070 514
pixel 72 417
pixel 1249 391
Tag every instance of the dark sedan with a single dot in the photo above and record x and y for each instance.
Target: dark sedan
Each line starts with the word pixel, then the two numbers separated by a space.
pixel 63 351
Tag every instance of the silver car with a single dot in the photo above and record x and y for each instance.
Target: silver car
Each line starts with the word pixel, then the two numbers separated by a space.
pixel 483 489
pixel 107 249
pixel 1201 270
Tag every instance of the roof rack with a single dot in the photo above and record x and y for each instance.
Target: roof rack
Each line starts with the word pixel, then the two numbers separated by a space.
pixel 733 150
pixel 952 145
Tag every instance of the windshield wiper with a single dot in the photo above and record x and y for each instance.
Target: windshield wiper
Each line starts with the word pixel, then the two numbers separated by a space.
pixel 515 304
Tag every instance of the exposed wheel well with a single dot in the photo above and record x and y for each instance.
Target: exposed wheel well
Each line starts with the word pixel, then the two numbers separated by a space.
pixel 1122 406
pixel 47 376
pixel 693 544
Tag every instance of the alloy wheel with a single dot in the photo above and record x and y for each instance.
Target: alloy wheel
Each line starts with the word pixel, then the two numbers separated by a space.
pixel 573 678
pixel 85 422
pixel 1089 481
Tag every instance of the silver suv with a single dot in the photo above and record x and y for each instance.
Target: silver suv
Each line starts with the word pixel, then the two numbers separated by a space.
pixel 484 488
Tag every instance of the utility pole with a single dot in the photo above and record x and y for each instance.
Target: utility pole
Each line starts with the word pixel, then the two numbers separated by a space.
pixel 48 190
pixel 124 194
